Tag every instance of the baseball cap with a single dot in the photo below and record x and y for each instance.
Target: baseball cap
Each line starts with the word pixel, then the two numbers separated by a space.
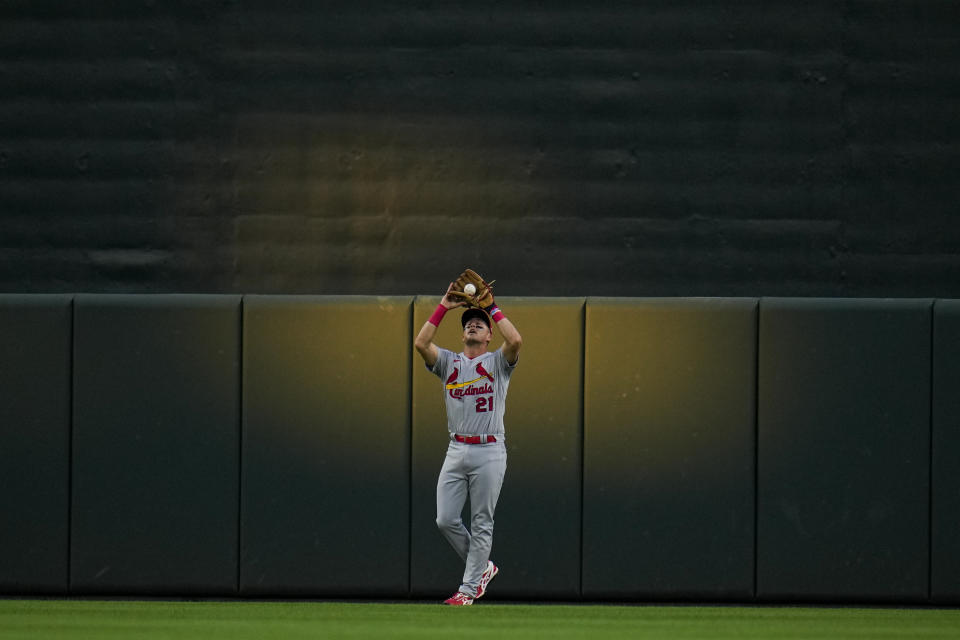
pixel 475 312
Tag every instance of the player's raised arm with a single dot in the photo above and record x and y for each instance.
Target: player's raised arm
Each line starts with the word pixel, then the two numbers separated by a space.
pixel 511 339
pixel 424 340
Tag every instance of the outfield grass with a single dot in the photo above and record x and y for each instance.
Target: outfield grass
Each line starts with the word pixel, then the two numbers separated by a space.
pixel 153 620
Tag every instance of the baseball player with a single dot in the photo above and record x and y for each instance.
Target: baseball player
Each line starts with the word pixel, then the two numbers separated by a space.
pixel 475 393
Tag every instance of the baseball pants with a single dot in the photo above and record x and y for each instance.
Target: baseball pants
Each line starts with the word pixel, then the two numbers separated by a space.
pixel 479 469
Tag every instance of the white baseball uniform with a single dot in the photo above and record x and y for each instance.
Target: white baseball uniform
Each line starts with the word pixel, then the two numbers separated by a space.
pixel 475 393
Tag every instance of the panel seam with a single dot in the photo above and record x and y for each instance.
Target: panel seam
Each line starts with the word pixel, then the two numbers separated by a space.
pixel 410 326
pixel 756 451
pixel 240 380
pixel 583 428
pixel 70 427
pixel 931 398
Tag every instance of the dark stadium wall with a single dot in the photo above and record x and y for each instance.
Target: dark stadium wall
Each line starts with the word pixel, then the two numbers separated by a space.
pixel 669 448
pixel 727 232
pixel 945 447
pixel 154 444
pixel 538 518
pixel 672 449
pixel 35 418
pixel 659 148
pixel 843 477
pixel 326 446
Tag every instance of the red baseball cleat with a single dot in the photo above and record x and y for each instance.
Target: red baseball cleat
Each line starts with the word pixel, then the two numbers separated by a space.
pixel 459 599
pixel 487 576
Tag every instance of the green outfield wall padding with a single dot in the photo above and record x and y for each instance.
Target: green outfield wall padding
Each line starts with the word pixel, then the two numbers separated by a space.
pixel 843 449
pixel 945 516
pixel 326 446
pixel 155 444
pixel 702 449
pixel 668 479
pixel 35 361
pixel 536 540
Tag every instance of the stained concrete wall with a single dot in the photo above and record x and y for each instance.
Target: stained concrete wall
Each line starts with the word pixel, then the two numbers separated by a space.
pixel 625 149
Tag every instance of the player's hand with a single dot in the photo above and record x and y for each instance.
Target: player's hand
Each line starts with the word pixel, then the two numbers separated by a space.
pixel 483 291
pixel 449 301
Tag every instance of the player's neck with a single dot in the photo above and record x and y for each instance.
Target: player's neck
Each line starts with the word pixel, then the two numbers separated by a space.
pixel 472 351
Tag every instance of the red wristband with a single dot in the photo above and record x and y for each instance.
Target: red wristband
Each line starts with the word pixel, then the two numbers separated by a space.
pixel 437 316
pixel 496 314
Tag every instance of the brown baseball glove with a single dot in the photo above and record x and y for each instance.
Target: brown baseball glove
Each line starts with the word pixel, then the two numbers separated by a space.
pixel 482 297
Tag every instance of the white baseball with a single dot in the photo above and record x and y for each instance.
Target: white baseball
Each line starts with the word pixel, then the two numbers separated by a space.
pixel 469 289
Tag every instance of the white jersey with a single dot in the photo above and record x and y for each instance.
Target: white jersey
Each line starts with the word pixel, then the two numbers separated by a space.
pixel 474 390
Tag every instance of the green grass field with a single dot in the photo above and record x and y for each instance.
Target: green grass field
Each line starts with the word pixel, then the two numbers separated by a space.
pixel 153 620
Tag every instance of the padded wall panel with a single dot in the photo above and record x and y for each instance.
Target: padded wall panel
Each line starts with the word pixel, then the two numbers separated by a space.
pixel 326 446
pixel 668 486
pixel 844 445
pixel 945 520
pixel 35 340
pixel 536 540
pixel 156 444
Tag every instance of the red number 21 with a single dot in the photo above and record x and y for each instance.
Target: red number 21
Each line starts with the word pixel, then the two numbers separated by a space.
pixel 484 404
